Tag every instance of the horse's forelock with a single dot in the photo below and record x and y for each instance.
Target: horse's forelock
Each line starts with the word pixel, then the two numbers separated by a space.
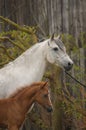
pixel 59 43
pixel 45 84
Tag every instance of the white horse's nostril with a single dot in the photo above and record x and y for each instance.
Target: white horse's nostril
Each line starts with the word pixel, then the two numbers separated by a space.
pixel 69 64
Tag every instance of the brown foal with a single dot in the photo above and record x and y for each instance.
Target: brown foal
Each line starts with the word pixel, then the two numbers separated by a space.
pixel 14 108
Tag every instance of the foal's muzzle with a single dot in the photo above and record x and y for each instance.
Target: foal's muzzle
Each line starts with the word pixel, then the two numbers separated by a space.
pixel 49 109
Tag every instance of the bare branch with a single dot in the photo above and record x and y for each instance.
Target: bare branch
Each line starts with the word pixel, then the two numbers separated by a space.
pixel 7 38
pixel 15 25
pixel 6 52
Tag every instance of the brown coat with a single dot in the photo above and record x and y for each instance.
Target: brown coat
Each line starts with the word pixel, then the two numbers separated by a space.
pixel 14 108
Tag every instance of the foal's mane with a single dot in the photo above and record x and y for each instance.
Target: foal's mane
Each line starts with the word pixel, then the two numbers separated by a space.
pixel 26 88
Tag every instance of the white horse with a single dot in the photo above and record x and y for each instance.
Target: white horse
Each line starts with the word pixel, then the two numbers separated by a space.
pixel 30 66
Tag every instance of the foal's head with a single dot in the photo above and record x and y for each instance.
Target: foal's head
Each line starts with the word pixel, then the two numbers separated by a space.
pixel 43 97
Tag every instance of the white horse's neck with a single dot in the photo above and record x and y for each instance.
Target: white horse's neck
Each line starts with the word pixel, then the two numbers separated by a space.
pixel 33 55
pixel 26 69
pixel 30 66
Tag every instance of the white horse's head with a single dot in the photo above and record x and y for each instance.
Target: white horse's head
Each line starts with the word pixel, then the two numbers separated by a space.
pixel 56 53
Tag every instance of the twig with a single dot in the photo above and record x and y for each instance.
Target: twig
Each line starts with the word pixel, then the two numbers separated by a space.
pixel 6 52
pixel 83 112
pixel 5 62
pixel 7 38
pixel 15 25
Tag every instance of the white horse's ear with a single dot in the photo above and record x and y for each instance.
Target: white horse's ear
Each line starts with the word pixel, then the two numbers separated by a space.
pixel 52 37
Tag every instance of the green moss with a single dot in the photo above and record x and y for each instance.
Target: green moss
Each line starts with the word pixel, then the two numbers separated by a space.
pixel 14 42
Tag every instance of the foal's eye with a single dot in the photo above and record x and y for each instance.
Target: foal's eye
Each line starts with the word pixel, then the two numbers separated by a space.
pixel 45 95
pixel 55 49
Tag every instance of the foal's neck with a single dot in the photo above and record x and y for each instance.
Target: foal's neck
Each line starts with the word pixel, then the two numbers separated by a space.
pixel 27 97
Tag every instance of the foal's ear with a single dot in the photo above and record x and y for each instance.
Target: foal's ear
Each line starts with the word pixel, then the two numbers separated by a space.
pixel 59 36
pixel 52 37
pixel 44 84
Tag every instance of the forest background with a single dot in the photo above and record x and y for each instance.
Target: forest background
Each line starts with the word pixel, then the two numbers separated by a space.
pixel 34 20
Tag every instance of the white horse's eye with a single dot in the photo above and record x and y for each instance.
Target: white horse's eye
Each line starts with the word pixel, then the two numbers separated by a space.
pixel 55 49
